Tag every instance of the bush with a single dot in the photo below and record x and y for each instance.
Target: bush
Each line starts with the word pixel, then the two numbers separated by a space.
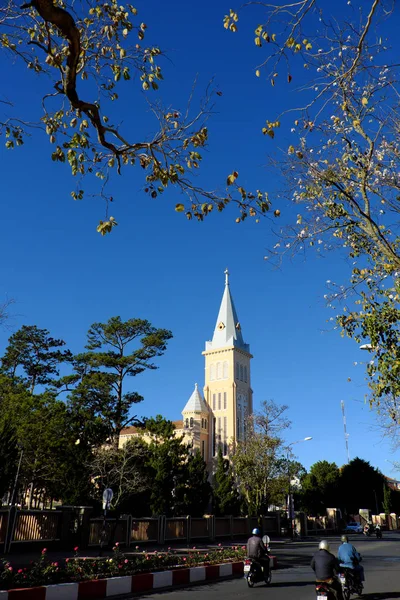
pixel 45 572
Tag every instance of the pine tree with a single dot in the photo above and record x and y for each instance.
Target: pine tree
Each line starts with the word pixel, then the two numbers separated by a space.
pixel 197 489
pixel 226 497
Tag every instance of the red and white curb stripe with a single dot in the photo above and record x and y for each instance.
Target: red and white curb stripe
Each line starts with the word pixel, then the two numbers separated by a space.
pixel 117 586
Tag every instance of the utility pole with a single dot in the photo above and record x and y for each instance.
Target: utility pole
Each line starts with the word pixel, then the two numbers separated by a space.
pixel 346 435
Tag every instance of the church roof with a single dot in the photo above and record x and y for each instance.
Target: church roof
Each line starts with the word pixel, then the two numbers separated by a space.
pixel 227 330
pixel 196 403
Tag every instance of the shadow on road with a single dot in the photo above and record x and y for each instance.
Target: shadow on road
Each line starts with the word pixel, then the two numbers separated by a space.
pixel 285 584
pixel 381 596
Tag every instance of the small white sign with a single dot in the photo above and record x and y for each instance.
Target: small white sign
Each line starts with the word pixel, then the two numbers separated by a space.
pixel 107 497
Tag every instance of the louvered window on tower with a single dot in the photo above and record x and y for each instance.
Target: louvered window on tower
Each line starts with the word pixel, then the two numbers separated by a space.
pixel 237 370
pixel 186 423
pixel 245 374
pixel 212 372
pixel 219 431
pixel 191 422
pixel 241 372
pixel 213 401
pixel 219 401
pixel 225 436
pixel 226 370
pixel 219 370
pixel 225 401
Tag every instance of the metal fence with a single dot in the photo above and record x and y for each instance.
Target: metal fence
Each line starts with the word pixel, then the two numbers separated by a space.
pixel 36 526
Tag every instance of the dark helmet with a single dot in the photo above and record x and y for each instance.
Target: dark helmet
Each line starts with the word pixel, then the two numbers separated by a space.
pixel 344 539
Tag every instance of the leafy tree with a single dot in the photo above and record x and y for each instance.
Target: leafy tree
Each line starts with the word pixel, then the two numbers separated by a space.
pixel 122 470
pixel 8 457
pixel 36 354
pixel 342 162
pixel 117 350
pixel 103 42
pixel 226 497
pixel 319 488
pixel 159 426
pixel 361 486
pixel 258 460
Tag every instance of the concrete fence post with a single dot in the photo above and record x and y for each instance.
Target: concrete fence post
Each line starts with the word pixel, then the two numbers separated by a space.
pixel 12 518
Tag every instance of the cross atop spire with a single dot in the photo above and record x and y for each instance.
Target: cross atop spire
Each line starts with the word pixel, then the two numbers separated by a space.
pixel 226 277
pixel 227 331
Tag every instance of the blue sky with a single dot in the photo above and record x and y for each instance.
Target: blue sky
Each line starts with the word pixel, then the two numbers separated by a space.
pixel 156 265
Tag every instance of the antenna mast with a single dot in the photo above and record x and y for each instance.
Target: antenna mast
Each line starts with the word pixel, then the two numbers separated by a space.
pixel 346 435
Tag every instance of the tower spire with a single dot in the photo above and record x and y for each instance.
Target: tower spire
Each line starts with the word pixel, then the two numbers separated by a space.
pixel 227 330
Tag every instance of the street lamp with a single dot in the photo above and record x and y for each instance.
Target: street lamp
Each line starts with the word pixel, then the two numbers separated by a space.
pixel 290 503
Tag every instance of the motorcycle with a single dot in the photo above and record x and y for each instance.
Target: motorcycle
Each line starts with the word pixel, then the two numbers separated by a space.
pixel 254 573
pixel 368 531
pixel 378 533
pixel 324 591
pixel 350 583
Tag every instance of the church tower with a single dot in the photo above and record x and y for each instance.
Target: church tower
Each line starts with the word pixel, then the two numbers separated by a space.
pixel 227 389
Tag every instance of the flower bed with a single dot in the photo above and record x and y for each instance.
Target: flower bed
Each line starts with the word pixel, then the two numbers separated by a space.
pixel 77 569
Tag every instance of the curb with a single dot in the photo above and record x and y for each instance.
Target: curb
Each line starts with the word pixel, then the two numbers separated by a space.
pixel 131 584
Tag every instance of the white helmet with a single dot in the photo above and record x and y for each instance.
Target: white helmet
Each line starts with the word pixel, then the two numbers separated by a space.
pixel 323 545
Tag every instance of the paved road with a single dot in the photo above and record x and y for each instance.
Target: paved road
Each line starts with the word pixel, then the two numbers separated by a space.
pixel 381 560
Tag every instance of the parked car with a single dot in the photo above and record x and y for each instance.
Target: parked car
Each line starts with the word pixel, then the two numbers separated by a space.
pixel 353 527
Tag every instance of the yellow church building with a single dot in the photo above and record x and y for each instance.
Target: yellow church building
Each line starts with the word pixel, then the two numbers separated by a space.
pixel 217 419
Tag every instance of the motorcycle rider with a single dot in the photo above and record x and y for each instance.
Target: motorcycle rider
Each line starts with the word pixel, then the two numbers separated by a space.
pixel 257 551
pixel 350 558
pixel 325 566
pixel 369 528
pixel 378 531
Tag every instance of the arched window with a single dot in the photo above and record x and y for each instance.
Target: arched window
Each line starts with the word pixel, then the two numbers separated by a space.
pixel 237 370
pixel 245 374
pixel 187 423
pixel 225 370
pixel 202 423
pixel 219 370
pixel 212 372
pixel 191 421
pixel 241 372
pixel 205 423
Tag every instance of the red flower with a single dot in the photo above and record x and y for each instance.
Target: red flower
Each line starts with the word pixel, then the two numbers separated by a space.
pixel 10 568
pixel 184 559
pixel 20 571
pixel 117 544
pixel 126 561
pixel 76 548
pixel 44 550
pixel 67 560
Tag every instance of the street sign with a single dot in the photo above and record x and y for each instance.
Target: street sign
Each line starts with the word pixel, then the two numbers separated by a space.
pixel 107 497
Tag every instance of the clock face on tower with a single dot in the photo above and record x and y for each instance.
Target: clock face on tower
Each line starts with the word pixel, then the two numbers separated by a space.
pixel 221 326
